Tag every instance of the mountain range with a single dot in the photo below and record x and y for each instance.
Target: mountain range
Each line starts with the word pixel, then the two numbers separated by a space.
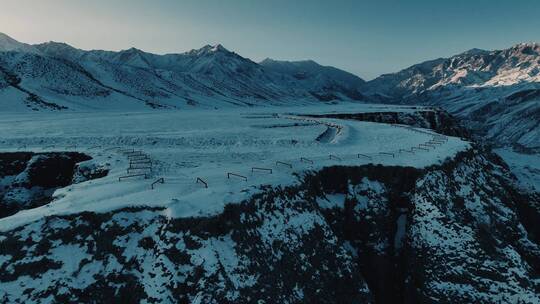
pixel 428 215
pixel 495 93
pixel 55 75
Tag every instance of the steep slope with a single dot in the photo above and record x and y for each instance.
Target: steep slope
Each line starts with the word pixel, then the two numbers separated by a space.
pixel 369 234
pixel 321 81
pixel 475 68
pixel 493 92
pixel 9 44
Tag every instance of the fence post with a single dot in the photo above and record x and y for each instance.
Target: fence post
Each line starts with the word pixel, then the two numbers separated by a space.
pixel 366 156
pixel 303 159
pixel 261 169
pixel 285 164
pixel 199 180
pixel 159 180
pixel 334 157
pixel 229 174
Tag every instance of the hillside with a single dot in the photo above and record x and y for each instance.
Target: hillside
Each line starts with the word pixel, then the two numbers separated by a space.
pixel 494 92
pixel 325 204
pixel 56 76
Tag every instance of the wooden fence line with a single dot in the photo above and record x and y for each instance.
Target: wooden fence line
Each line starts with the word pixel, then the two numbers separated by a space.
pixel 140 161
pixel 134 166
pixel 142 166
pixel 112 148
pixel 160 180
pixel 366 156
pixel 145 158
pixel 134 153
pixel 285 164
pixel 333 157
pixel 137 156
pixel 303 159
pixel 387 153
pixel 229 174
pixel 94 147
pixel 261 169
pixel 199 180
pixel 138 168
pixel 133 175
pixel 404 150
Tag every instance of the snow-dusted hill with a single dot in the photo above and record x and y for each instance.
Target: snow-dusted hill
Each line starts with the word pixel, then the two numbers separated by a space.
pixel 322 81
pixel 494 92
pixel 57 76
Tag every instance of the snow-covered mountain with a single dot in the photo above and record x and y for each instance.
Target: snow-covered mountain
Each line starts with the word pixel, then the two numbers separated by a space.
pixel 348 203
pixel 322 80
pixel 9 44
pixel 494 92
pixel 474 68
pixel 56 76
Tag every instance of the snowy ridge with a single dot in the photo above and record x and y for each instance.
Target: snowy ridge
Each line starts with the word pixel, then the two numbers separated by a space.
pixel 9 44
pixel 209 77
pixel 493 92
pixel 474 68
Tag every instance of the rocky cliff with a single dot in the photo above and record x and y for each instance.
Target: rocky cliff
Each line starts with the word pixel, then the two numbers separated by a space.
pixel 456 232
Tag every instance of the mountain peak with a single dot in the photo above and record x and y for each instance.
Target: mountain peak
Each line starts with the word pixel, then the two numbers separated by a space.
pixel 527 48
pixel 209 49
pixel 54 45
pixel 219 48
pixel 296 62
pixel 4 36
pixel 8 44
pixel 132 50
pixel 474 51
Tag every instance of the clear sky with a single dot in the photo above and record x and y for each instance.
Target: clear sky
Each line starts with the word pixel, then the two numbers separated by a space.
pixel 367 38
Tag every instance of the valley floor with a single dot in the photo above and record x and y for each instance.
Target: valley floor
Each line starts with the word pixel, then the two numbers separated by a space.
pixel 186 145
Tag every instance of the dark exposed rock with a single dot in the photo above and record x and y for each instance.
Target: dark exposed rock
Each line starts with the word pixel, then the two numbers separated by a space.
pixel 28 179
pixel 437 120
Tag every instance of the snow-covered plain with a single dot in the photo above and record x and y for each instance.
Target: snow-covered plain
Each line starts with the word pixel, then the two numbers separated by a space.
pixel 184 145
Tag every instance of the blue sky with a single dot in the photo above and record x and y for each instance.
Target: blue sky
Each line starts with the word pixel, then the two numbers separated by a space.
pixel 367 38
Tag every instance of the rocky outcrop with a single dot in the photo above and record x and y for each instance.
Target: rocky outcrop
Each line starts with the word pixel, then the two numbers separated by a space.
pixel 28 180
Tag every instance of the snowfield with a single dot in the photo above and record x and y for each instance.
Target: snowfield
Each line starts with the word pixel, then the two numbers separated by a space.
pixel 208 144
